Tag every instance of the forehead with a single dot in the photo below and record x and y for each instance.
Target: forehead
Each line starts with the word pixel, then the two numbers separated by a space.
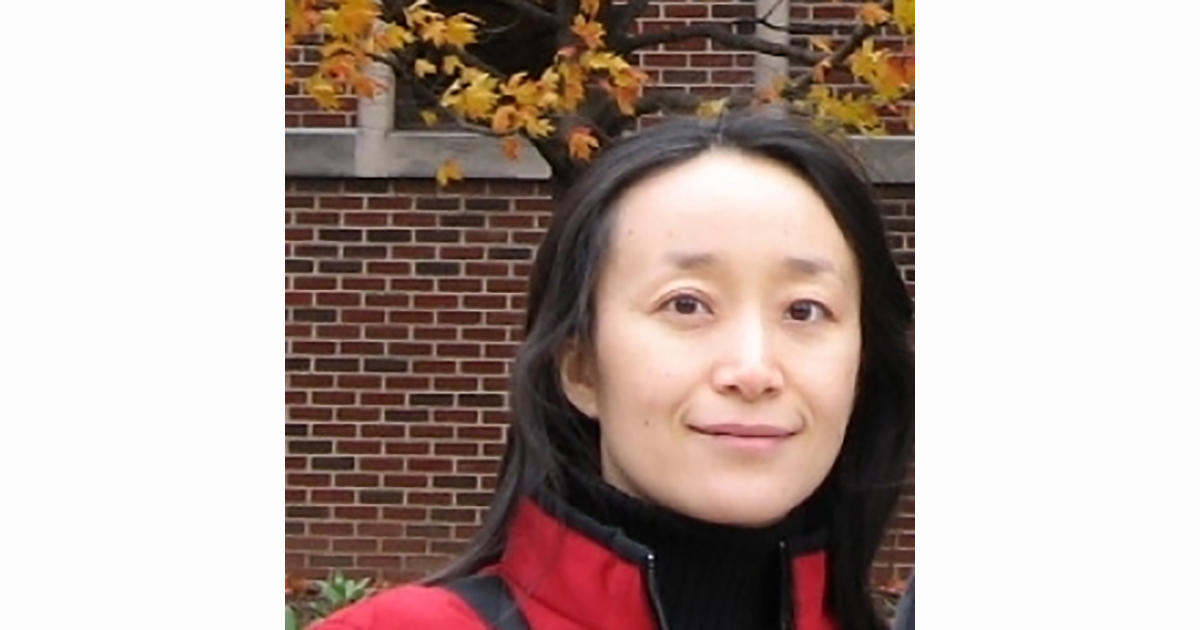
pixel 726 203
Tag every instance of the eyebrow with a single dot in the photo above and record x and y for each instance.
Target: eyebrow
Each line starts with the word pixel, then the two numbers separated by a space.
pixel 807 266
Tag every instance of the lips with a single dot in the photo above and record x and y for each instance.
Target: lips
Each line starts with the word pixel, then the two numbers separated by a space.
pixel 744 430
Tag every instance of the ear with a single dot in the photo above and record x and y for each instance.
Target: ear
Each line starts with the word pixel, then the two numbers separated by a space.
pixel 576 376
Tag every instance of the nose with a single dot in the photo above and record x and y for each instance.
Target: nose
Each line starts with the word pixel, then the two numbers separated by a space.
pixel 748 367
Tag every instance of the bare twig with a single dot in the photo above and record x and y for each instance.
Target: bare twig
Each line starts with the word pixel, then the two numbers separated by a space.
pixel 406 74
pixel 843 52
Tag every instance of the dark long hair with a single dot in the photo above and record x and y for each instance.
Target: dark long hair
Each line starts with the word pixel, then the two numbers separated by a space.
pixel 549 438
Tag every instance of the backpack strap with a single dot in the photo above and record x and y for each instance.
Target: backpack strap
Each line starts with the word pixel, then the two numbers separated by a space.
pixel 489 596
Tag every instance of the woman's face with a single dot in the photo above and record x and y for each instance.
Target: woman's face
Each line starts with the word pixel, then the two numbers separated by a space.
pixel 726 343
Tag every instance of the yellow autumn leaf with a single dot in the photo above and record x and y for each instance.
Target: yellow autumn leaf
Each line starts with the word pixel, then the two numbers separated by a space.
pixel 479 97
pixel 429 116
pixel 288 76
pixel 874 14
pixel 581 143
pixel 336 47
pixel 433 31
pixel 626 88
pixel 602 61
pixel 538 127
pixel 573 81
pixel 591 32
pixel 864 60
pixel 521 90
pixel 322 91
pixel 590 7
pixel 905 14
pixel 451 64
pixel 821 43
pixel 418 13
pixel 510 146
pixel 394 37
pixel 460 30
pixel 449 171
pixel 711 108
pixel 911 118
pixel 423 67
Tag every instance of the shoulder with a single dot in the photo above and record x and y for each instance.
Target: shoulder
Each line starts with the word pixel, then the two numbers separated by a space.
pixel 409 607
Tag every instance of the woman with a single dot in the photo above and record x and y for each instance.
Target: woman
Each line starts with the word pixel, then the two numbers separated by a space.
pixel 713 406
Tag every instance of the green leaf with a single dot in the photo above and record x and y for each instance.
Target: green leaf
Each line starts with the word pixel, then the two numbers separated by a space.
pixel 293 623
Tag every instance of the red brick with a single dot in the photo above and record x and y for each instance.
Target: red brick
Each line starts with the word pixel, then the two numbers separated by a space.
pixel 436 334
pixel 358 447
pixel 358 414
pixel 459 416
pixel 684 10
pixel 404 546
pixel 380 464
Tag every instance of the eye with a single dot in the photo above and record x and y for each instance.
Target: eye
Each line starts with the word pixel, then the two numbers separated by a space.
pixel 808 311
pixel 686 305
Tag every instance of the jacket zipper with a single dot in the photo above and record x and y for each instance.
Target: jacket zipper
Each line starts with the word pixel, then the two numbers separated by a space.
pixel 787 603
pixel 651 581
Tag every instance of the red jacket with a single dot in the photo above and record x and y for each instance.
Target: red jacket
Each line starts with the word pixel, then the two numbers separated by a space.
pixel 563 579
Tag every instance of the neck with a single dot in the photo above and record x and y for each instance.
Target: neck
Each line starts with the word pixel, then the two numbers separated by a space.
pixel 709 576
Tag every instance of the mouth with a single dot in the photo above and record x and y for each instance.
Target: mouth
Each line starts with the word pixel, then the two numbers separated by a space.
pixel 756 438
pixel 734 430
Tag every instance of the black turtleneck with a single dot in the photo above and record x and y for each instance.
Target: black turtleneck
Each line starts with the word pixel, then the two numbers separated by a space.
pixel 709 576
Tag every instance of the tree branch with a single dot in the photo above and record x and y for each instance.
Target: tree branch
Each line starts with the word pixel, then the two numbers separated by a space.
pixel 843 52
pixel 471 60
pixel 669 101
pixel 717 33
pixel 565 11
pixel 525 8
pixel 630 11
pixel 407 75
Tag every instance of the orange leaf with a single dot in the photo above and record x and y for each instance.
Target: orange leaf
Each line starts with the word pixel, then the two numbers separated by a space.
pixel 822 43
pixel 505 119
pixel 510 146
pixel 582 143
pixel 592 33
pixel 820 69
pixel 911 118
pixel 873 14
pixel 590 7
pixel 449 171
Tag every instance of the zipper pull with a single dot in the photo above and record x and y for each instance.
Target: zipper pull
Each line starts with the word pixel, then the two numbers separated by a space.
pixel 651 580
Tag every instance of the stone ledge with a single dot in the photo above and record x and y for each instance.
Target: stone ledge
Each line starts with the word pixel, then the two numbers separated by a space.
pixel 418 154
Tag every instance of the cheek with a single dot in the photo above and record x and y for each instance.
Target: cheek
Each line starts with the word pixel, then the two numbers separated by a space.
pixel 641 378
pixel 830 383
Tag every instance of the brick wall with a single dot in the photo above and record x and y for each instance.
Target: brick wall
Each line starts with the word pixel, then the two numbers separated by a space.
pixel 403 307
